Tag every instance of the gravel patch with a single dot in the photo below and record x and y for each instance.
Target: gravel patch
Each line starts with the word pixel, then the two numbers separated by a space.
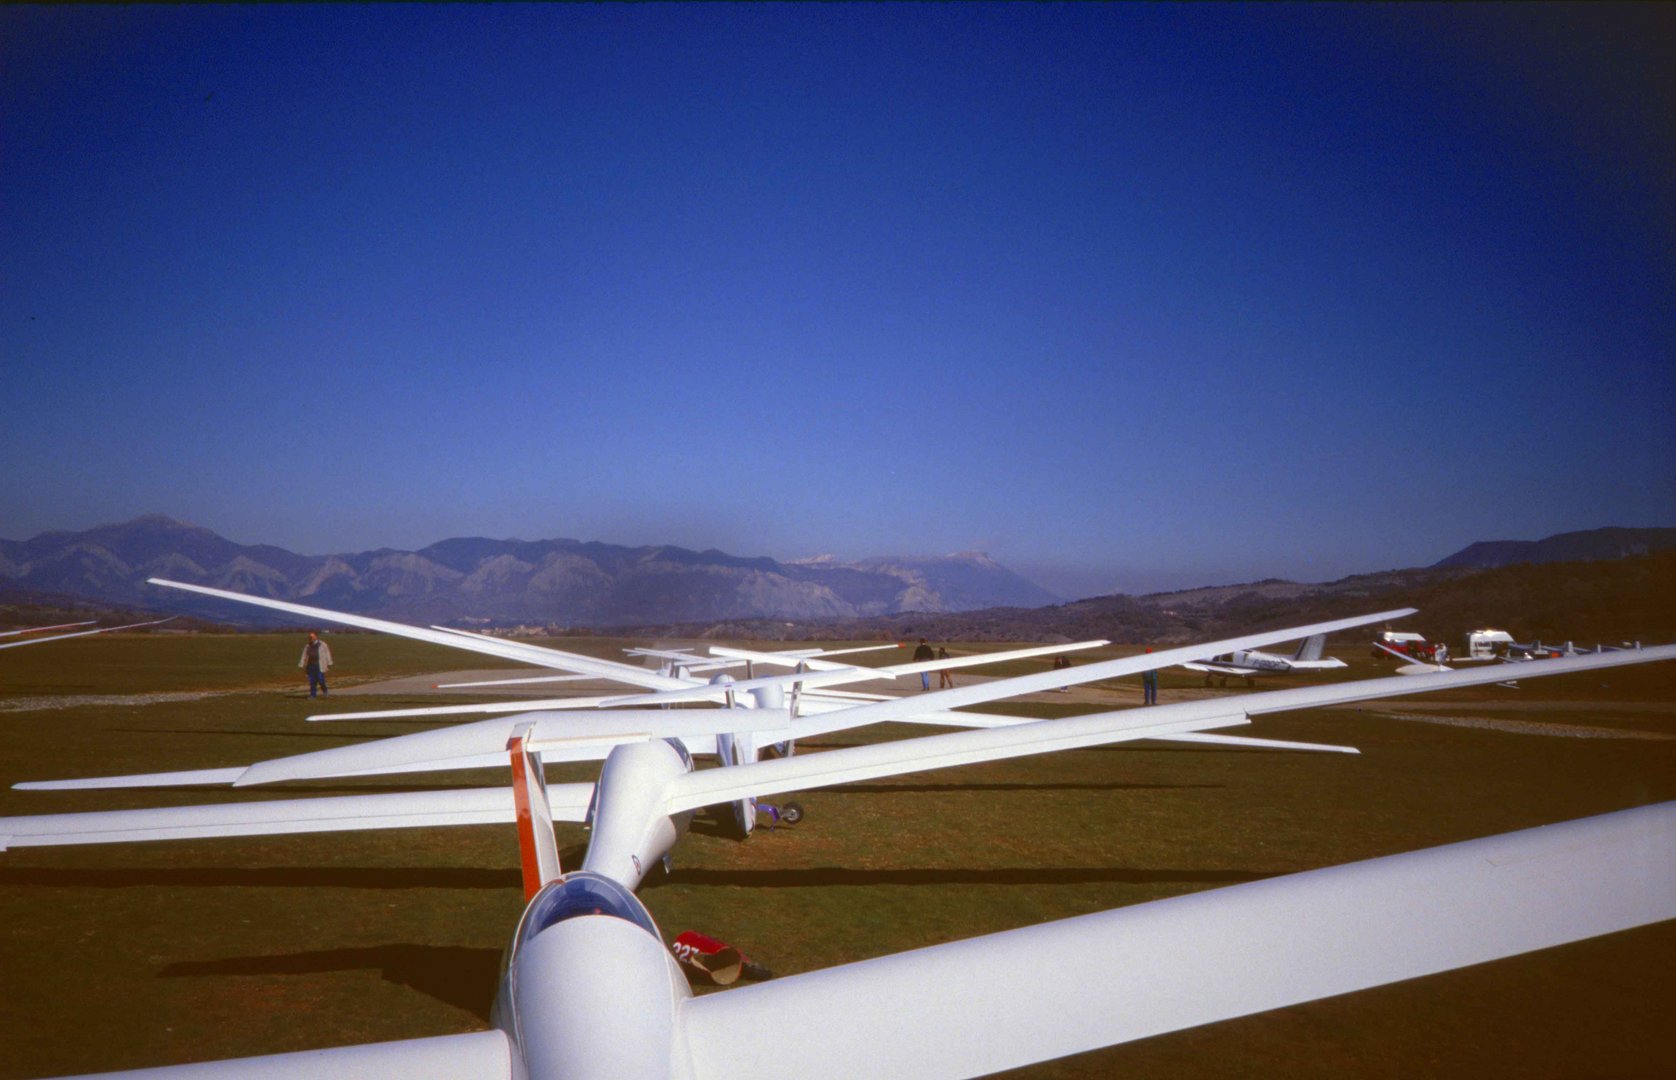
pixel 76 701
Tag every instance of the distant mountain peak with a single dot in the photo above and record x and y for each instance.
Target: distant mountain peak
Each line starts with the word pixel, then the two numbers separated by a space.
pixel 1589 545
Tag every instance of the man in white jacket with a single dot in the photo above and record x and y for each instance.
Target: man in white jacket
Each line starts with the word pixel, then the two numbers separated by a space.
pixel 316 660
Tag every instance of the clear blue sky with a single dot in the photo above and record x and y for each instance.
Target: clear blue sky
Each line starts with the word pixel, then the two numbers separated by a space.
pixel 1130 297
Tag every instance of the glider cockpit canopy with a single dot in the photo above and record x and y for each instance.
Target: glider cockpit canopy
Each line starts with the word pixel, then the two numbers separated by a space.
pixel 579 893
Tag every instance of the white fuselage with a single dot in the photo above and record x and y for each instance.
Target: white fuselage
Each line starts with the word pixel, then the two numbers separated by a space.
pixel 1254 662
pixel 1257 661
pixel 632 829
pixel 564 1020
pixel 594 994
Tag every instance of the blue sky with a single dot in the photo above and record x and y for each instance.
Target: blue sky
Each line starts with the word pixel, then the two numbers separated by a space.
pixel 1130 297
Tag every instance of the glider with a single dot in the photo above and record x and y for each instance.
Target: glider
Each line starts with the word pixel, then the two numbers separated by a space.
pixel 672 677
pixel 784 696
pixel 590 990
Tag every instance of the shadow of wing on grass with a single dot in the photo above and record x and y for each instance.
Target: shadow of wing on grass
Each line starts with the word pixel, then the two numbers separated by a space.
pixel 347 736
pixel 813 876
pixel 1129 746
pixel 714 824
pixel 276 877
pixel 453 974
pixel 718 821
pixel 890 789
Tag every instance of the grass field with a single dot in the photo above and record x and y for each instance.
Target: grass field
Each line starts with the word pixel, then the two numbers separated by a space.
pixel 132 955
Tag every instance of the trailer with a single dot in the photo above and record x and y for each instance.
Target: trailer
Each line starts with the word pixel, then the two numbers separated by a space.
pixel 1487 644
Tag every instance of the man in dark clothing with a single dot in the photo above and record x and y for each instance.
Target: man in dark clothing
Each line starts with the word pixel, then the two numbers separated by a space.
pixel 1149 683
pixel 922 654
pixel 316 660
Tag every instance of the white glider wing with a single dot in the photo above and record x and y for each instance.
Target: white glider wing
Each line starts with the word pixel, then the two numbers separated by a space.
pixel 44 629
pixel 83 633
pixel 997 720
pixel 476 1055
pixel 822 673
pixel 487 708
pixel 903 708
pixel 711 786
pixel 838 676
pixel 399 810
pixel 456 639
pixel 1011 999
pixel 557 736
pixel 814 663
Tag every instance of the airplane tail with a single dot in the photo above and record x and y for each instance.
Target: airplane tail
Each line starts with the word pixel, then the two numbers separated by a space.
pixel 538 848
pixel 1311 648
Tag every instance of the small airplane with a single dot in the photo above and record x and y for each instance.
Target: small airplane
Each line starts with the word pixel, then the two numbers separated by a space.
pixel 590 989
pixel 1245 663
pixel 65 626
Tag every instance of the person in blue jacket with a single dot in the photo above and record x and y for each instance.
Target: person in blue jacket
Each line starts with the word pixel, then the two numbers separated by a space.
pixel 921 654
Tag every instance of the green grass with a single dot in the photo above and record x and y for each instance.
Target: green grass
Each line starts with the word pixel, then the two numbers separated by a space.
pixel 146 954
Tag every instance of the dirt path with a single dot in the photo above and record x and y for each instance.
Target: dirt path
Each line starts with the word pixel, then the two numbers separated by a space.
pixel 76 701
pixel 1531 727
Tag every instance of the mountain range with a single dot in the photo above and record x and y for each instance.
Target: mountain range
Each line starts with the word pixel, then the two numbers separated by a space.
pixel 543 582
pixel 967 596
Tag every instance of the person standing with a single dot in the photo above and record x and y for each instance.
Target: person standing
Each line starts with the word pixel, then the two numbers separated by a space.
pixel 316 660
pixel 1149 683
pixel 922 654
pixel 945 678
pixel 1060 663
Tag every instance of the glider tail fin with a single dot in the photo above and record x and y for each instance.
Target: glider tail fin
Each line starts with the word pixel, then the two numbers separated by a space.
pixel 538 848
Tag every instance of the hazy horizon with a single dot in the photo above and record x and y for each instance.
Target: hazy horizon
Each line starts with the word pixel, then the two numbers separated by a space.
pixel 1067 581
